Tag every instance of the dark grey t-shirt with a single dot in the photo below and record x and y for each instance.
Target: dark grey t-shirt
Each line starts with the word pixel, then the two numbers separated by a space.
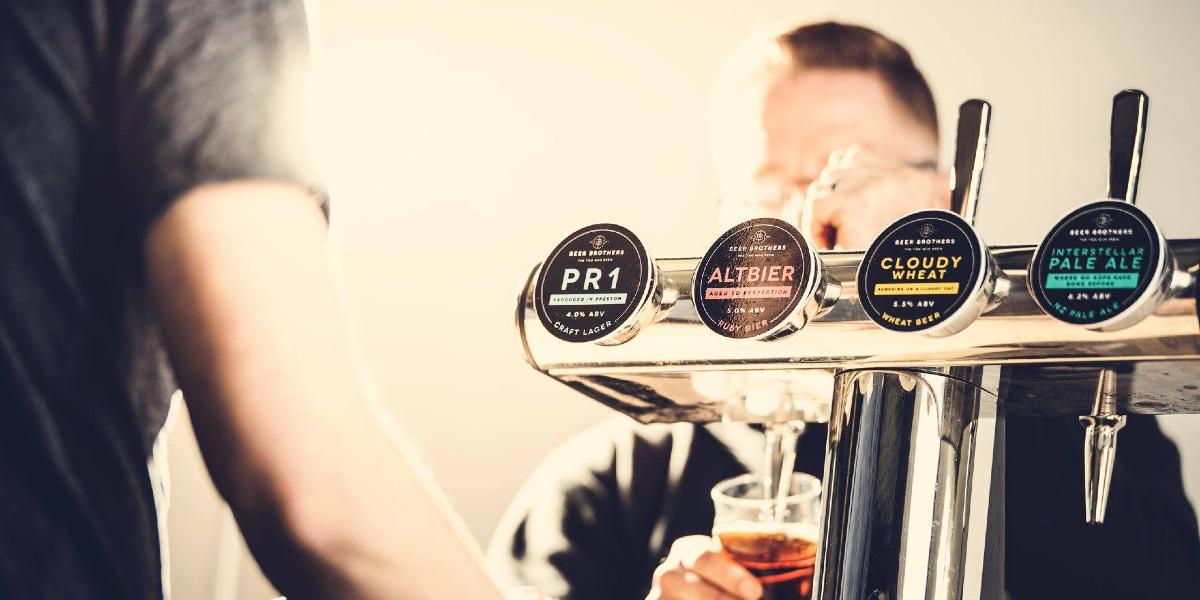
pixel 109 110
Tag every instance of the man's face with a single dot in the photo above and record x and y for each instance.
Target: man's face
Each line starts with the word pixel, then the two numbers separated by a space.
pixel 808 115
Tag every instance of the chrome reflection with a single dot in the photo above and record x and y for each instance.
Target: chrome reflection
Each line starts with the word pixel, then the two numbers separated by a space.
pixel 908 479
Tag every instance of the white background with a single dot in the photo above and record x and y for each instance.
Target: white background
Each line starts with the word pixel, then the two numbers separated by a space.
pixel 465 137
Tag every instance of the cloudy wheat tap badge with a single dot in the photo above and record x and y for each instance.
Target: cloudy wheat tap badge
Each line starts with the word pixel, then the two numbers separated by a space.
pixel 754 280
pixel 595 285
pixel 920 271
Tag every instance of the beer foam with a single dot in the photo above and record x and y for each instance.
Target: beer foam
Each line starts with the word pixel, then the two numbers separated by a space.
pixel 804 531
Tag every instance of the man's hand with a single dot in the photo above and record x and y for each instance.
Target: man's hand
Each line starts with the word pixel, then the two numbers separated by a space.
pixel 696 569
pixel 859 193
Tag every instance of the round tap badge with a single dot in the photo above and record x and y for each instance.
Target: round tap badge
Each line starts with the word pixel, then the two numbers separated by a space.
pixel 756 280
pixel 595 285
pixel 922 272
pixel 1097 263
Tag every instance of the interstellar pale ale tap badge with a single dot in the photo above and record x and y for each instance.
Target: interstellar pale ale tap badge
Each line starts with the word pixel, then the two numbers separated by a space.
pixel 598 285
pixel 1098 264
pixel 759 280
pixel 927 270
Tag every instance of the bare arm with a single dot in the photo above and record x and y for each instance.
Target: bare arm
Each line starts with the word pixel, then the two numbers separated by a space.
pixel 329 502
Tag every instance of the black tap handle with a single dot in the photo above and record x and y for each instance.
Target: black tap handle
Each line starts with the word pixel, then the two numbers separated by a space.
pixel 1127 134
pixel 969 149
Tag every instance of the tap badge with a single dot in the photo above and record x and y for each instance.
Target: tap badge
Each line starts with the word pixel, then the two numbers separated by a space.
pixel 920 271
pixel 593 283
pixel 753 280
pixel 1096 263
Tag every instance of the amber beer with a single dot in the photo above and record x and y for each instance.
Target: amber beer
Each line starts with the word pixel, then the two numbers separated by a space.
pixel 774 536
pixel 781 557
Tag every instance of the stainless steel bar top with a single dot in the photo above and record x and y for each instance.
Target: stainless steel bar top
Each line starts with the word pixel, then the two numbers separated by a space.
pixel 1016 332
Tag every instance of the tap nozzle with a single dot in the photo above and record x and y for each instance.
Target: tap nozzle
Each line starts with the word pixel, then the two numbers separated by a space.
pixel 1100 447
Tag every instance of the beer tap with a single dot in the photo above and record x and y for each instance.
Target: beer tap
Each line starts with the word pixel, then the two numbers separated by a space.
pixel 929 272
pixel 1127 135
pixel 1104 267
pixel 599 285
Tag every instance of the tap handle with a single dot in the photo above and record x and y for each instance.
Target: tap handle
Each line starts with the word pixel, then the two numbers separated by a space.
pixel 969 150
pixel 1127 134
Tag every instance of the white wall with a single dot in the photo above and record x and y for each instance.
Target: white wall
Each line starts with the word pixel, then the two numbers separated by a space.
pixel 468 135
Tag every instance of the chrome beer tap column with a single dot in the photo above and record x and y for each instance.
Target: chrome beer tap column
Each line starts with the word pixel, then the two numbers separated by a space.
pixel 912 453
